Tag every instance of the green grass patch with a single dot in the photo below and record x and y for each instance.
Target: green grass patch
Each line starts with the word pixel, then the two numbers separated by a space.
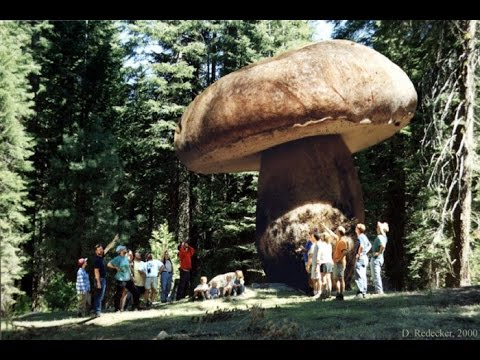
pixel 267 314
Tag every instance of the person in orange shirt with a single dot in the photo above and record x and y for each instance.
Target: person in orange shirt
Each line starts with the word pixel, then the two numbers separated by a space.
pixel 339 259
pixel 185 253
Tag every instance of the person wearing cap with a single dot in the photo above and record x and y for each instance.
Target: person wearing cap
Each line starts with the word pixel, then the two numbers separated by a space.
pixel 83 287
pixel 100 282
pixel 185 253
pixel 378 249
pixel 123 278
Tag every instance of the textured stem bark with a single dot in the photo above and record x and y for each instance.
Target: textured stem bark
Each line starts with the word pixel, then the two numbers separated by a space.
pixel 464 147
pixel 302 184
pixel 183 226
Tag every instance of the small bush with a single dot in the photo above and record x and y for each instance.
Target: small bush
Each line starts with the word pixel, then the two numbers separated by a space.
pixel 60 294
pixel 22 305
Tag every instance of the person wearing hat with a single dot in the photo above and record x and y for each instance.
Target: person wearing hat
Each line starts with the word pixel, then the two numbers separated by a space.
pixel 378 249
pixel 83 288
pixel 123 278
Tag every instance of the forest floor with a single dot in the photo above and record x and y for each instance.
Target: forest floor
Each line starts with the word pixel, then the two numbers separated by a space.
pixel 273 312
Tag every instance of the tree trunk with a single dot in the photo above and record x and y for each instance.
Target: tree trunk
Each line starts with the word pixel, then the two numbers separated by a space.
pixel 183 226
pixel 39 266
pixel 464 147
pixel 395 266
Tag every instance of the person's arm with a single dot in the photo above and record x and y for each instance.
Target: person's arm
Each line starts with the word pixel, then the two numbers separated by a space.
pixel 330 232
pixel 112 266
pixel 301 249
pixel 309 262
pixel 79 282
pixel 191 250
pixel 359 252
pixel 344 255
pixel 96 272
pixel 380 251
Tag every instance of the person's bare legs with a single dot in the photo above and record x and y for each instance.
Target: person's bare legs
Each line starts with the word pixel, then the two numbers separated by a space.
pixel 154 294
pixel 329 284
pixel 123 299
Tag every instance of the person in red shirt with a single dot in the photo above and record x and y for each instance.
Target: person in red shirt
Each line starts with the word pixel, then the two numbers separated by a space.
pixel 185 253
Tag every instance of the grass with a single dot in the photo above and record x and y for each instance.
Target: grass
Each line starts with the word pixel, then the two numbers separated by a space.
pixel 270 314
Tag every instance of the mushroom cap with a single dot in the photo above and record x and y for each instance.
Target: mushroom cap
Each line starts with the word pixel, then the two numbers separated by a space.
pixel 330 87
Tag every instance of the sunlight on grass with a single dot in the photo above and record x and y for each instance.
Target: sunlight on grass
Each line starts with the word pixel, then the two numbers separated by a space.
pixel 267 314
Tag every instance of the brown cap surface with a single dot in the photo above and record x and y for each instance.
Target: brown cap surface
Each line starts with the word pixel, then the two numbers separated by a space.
pixel 331 87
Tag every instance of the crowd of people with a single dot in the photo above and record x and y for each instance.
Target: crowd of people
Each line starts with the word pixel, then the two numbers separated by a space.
pixel 324 254
pixel 134 280
pixel 324 261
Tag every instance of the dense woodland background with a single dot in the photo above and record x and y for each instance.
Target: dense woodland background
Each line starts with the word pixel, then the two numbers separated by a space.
pixel 88 111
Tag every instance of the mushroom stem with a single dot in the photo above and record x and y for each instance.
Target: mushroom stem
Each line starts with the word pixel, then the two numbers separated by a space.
pixel 302 184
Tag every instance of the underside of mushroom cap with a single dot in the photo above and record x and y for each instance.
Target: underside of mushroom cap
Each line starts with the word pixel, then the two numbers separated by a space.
pixel 331 87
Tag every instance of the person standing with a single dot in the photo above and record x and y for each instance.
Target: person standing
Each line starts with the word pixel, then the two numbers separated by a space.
pixel 312 266
pixel 154 269
pixel 83 287
pixel 185 253
pixel 378 249
pixel 304 249
pixel 339 259
pixel 325 260
pixel 124 279
pixel 100 283
pixel 363 246
pixel 139 273
pixel 166 277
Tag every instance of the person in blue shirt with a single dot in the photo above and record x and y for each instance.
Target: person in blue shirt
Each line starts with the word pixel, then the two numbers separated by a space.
pixel 124 279
pixel 378 249
pixel 362 247
pixel 304 249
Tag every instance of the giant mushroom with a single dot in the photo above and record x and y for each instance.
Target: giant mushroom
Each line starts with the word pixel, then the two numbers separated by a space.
pixel 297 118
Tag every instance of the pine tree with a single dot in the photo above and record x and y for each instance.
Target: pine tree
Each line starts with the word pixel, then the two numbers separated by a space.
pixel 16 64
pixel 76 162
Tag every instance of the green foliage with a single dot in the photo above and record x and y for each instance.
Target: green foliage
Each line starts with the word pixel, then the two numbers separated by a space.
pixel 60 294
pixel 16 65
pixel 162 240
pixel 23 304
pixel 77 169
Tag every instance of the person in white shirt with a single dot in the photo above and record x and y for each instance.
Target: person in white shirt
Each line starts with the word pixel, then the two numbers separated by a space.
pixel 139 273
pixel 153 269
pixel 326 264
pixel 201 291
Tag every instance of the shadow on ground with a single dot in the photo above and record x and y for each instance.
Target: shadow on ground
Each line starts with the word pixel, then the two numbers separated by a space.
pixel 279 314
